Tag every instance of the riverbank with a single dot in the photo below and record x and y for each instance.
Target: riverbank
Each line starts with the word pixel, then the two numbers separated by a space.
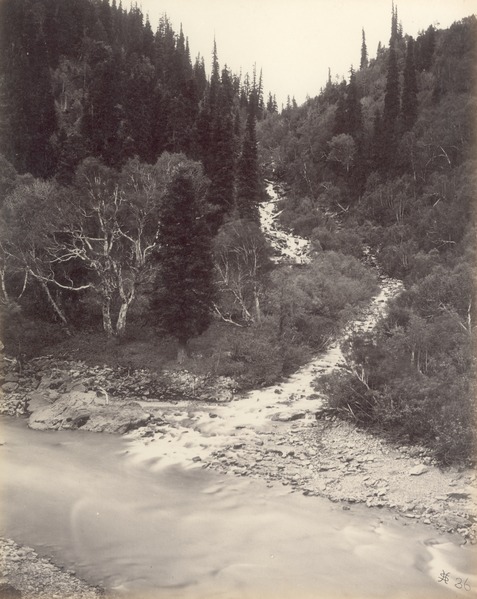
pixel 26 575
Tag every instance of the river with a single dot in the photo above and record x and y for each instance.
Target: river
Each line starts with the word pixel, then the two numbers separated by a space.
pixel 173 532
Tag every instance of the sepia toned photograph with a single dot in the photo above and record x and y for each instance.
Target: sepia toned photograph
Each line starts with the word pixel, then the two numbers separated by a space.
pixel 237 303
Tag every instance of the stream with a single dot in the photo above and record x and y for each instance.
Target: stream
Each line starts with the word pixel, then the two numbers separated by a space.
pixel 192 533
pixel 142 517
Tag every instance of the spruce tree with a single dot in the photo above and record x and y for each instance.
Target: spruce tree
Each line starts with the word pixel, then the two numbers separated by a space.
pixel 364 52
pixel 222 165
pixel 354 117
pixel 248 182
pixel 409 90
pixel 27 89
pixel 184 284
pixel 391 107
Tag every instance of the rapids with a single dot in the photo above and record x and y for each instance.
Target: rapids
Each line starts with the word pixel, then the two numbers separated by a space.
pixel 146 520
pixel 190 533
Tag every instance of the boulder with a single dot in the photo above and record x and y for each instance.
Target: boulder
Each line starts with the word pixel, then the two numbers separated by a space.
pixel 36 401
pixel 9 387
pixel 288 416
pixel 88 412
pixel 418 470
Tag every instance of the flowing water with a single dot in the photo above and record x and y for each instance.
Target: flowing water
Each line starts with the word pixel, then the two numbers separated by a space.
pixel 173 532
pixel 146 520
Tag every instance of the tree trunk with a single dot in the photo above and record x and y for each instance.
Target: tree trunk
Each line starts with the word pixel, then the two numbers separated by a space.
pixel 58 311
pixel 107 324
pixel 258 312
pixel 182 351
pixel 121 321
pixel 4 288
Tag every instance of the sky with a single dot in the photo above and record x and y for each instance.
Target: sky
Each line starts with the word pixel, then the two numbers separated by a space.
pixel 294 42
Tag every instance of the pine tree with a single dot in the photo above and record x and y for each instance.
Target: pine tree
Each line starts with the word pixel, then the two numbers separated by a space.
pixel 424 49
pixel 364 52
pixel 272 103
pixel 409 91
pixel 354 117
pixel 248 182
pixel 391 106
pixel 27 89
pixel 394 25
pixel 184 284
pixel 101 119
pixel 222 169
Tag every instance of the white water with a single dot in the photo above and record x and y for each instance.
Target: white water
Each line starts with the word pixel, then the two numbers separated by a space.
pixel 193 534
pixel 145 519
pixel 288 247
pixel 194 431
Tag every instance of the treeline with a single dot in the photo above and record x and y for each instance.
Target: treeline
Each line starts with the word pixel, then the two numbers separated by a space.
pixel 386 160
pixel 86 78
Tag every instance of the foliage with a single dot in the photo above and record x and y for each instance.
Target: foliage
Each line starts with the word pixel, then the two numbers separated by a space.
pixel 242 262
pixel 183 294
pixel 415 379
pixel 407 192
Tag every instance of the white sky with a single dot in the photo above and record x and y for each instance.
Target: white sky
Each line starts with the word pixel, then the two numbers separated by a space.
pixel 295 41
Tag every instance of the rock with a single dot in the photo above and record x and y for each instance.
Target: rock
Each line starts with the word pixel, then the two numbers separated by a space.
pixel 11 377
pixel 288 416
pixel 36 401
pixel 9 387
pixel 458 494
pixel 418 470
pixel 454 521
pixel 81 410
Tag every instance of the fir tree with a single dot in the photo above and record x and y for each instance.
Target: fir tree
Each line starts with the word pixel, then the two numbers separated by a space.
pixel 248 183
pixel 354 118
pixel 28 94
pixel 391 106
pixel 394 25
pixel 222 170
pixel 364 52
pixel 409 91
pixel 184 284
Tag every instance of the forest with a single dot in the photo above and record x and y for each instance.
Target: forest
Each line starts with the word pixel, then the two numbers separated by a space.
pixel 131 182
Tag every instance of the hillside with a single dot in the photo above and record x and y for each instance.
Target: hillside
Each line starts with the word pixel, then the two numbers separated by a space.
pixel 385 163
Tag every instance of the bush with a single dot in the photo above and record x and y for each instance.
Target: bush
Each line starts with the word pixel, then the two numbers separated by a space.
pixel 414 383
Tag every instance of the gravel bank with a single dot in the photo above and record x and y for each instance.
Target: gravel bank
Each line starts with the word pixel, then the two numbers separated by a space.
pixel 24 574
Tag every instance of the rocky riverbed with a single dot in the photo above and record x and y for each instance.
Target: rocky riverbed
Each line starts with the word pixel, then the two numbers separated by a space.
pixel 26 575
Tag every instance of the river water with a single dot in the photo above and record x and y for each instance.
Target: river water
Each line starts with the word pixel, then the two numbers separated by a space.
pixel 170 532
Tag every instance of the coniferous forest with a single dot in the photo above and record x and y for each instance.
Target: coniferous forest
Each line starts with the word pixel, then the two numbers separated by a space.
pixel 131 181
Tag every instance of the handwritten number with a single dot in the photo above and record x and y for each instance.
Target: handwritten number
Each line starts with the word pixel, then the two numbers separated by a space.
pixel 465 585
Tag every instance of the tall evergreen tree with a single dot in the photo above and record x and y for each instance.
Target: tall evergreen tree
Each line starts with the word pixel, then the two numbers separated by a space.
pixel 394 24
pixel 184 284
pixel 248 182
pixel 27 89
pixel 222 171
pixel 391 106
pixel 354 117
pixel 424 49
pixel 101 118
pixel 364 52
pixel 409 90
